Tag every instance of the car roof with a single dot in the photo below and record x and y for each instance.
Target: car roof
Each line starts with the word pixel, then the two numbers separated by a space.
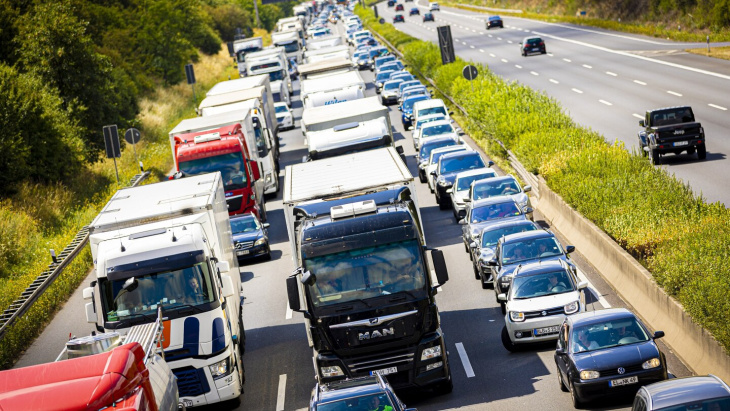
pixel 496 179
pixel 493 200
pixel 532 38
pixel 541 267
pixel 418 97
pixel 685 390
pixel 437 140
pixel 430 116
pixel 455 155
pixel 474 172
pixel 511 223
pixel 608 314
pixel 525 235
pixel 245 216
pixel 348 388
pixel 436 123
pixel 494 18
pixel 458 147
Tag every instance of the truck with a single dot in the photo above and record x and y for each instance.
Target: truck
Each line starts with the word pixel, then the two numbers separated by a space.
pixel 264 105
pixel 363 278
pixel 327 117
pixel 324 42
pixel 243 47
pixel 349 138
pixel 291 43
pixel 261 144
pixel 223 150
pixel 671 130
pixel 271 61
pixel 326 67
pixel 325 98
pixel 281 93
pixel 313 56
pixel 330 83
pixel 168 245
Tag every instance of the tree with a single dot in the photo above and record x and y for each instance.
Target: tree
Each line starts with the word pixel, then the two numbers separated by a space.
pixel 228 17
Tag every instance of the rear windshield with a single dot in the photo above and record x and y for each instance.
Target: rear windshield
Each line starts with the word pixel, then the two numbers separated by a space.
pixel 428 148
pixel 436 130
pixel 534 41
pixel 490 238
pixel 469 162
pixel 465 182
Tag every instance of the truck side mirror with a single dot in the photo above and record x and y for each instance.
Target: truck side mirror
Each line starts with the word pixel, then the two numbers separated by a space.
pixel 292 291
pixel 399 149
pixel 502 297
pixel 91 316
pixel 308 278
pixel 641 123
pixel 227 285
pixel 88 293
pixel 255 170
pixel 223 266
pixel 439 265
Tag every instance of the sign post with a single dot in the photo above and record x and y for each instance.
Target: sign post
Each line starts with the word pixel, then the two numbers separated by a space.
pixel 190 74
pixel 111 144
pixel 132 137
pixel 470 73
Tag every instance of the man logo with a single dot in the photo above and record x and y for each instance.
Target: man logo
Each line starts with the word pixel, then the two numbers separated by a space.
pixel 369 335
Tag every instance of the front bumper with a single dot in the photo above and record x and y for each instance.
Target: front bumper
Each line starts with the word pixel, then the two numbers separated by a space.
pixel 390 98
pixel 196 385
pixel 594 389
pixel 527 328
pixel 270 182
pixel 252 252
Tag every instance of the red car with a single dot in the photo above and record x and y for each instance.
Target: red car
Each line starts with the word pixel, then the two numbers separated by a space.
pixel 398 7
pixel 398 18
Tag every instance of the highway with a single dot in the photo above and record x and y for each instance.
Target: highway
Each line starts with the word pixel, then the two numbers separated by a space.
pixel 604 80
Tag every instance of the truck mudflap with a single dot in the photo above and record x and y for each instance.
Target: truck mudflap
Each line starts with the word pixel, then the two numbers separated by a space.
pixel 422 366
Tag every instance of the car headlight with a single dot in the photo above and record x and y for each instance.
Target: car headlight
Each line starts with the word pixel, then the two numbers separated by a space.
pixel 432 352
pixel 331 371
pixel 589 375
pixel 517 316
pixel 572 308
pixel 220 369
pixel 505 280
pixel 260 241
pixel 653 363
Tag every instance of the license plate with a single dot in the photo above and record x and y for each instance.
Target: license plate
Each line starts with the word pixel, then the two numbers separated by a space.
pixel 242 252
pixel 623 381
pixel 547 330
pixel 680 143
pixel 385 371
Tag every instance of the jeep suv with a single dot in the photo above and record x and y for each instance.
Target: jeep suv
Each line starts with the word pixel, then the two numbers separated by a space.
pixel 671 130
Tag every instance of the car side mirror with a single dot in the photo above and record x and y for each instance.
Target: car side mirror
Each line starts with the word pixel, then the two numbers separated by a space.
pixel 433 173
pixel 569 249
pixel 641 123
pixel 410 128
pixel 658 334
pixel 492 263
pixel 527 188
pixel 529 210
pixel 490 163
pixel 462 221
pixel 582 285
pixel 472 245
pixel 266 225
pixel 560 351
pixel 449 191
pixel 502 297
pixel 451 113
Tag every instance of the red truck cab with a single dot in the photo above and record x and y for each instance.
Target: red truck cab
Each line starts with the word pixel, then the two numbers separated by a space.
pixel 223 149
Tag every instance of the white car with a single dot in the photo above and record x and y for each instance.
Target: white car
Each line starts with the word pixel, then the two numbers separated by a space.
pixel 416 127
pixel 441 128
pixel 500 186
pixel 540 297
pixel 460 189
pixel 284 116
pixel 433 7
pixel 433 161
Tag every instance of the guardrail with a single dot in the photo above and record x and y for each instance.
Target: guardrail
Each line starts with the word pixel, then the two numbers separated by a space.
pixel 46 278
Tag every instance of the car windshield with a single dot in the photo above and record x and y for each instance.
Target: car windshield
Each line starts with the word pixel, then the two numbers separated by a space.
pixel 281 109
pixel 493 212
pixel 409 84
pixel 673 116
pixel 461 162
pixel 391 86
pixel 607 334
pixel 230 166
pixel 714 404
pixel 401 77
pixel 383 75
pixel 426 149
pixel 383 60
pixel 486 189
pixel 435 156
pixel 491 237
pixel 365 402
pixel 531 249
pixel 365 273
pixel 436 130
pixel 244 225
pixel 539 285
pixel 408 104
pixel 432 110
pixel 463 183
pixel 421 122
pixel 415 92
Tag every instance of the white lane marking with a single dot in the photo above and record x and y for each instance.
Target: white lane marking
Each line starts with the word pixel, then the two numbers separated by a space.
pixel 554 81
pixel 472 46
pixel 639 116
pixel 481 33
pixel 289 312
pixel 281 393
pixel 463 42
pixel 568 60
pixel 577 91
pixel 499 38
pixel 456 39
pixel 509 41
pixel 587 66
pixel 465 360
pixel 605 102
pixel 489 35
pixel 610 73
pixel 534 73
pixel 527 31
pixel 639 82
pixel 593 291
pixel 717 107
pixel 492 55
pixel 674 93
pixel 518 66
pixel 481 51
pixel 551 54
pixel 504 60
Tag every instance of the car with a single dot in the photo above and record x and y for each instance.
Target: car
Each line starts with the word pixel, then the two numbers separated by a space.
pixel 284 116
pixel 418 125
pixel 448 168
pixel 379 61
pixel 405 84
pixel 482 249
pixel 434 7
pixel 406 109
pixel 607 353
pixel 437 128
pixel 705 392
pixel 541 296
pixel 427 17
pixel 360 59
pixel 398 7
pixel 522 248
pixel 414 11
pixel 487 212
pixel 434 157
pixel 432 106
pixel 671 130
pixel 364 393
pixel 402 75
pixel 391 3
pixel 494 21
pixel 250 237
pixel 532 45
pixel 424 152
pixel 499 186
pixel 293 68
pixel 391 65
pixel 381 78
pixel 375 52
pixel 389 92
pixel 461 186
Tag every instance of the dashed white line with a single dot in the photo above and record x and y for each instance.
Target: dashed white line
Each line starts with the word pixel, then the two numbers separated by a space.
pixel 463 42
pixel 587 66
pixel 528 31
pixel 504 60
pixel 289 312
pixel 674 93
pixel 481 51
pixel 568 60
pixel 481 33
pixel 509 41
pixel 554 81
pixel 605 102
pixel 639 82
pixel 577 91
pixel 610 73
pixel 281 393
pixel 518 66
pixel 717 107
pixel 465 360
pixel 499 38
pixel 489 35
pixel 639 116
pixel 534 73
pixel 492 55
pixel 472 46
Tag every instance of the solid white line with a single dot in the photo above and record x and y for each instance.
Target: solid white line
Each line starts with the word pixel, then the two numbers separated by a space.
pixel 568 60
pixel 587 66
pixel 674 93
pixel 605 102
pixel 611 73
pixel 465 360
pixel 554 81
pixel 281 393
pixel 639 82
pixel 518 66
pixel 504 60
pixel 639 116
pixel 577 91
pixel 534 73
pixel 717 107
pixel 289 312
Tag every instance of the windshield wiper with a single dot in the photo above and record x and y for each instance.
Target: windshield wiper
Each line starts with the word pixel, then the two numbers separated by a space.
pixel 145 316
pixel 179 306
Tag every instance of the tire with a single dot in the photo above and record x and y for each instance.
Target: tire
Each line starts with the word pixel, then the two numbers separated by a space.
pixel 241 336
pixel 506 342
pixel 563 387
pixel 421 177
pixel 577 402
pixel 267 256
pixel 466 249
pixel 691 150
pixel 701 151
pixel 653 156
pixel 476 271
pixel 262 212
pixel 485 285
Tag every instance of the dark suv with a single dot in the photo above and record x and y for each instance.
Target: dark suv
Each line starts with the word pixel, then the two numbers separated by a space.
pixel 494 21
pixel 398 18
pixel 671 130
pixel 449 166
pixel 532 45
pixel 365 393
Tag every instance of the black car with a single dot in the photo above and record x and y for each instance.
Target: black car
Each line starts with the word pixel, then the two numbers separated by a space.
pixel 424 152
pixel 250 237
pixel 487 212
pixel 607 353
pixel 482 249
pixel 399 7
pixel 413 11
pixel 364 393
pixel 702 393
pixel 449 166
pixel 494 21
pixel 398 18
pixel 391 3
pixel 532 45
pixel 428 17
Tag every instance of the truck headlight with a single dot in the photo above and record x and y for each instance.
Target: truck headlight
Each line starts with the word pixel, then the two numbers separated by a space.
pixel 331 371
pixel 260 241
pixel 517 316
pixel 268 179
pixel 572 308
pixel 220 369
pixel 589 375
pixel 432 352
pixel 653 363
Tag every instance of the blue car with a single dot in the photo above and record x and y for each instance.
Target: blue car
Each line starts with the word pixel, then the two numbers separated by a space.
pixel 406 109
pixel 250 237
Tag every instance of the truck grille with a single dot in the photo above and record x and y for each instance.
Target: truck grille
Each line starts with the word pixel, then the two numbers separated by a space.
pixel 367 363
pixel 234 203
pixel 191 382
pixel 548 312
pixel 244 245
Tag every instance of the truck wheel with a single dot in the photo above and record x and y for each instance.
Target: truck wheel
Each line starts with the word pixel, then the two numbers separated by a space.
pixel 421 177
pixel 241 336
pixel 508 344
pixel 653 156
pixel 701 151
pixel 485 285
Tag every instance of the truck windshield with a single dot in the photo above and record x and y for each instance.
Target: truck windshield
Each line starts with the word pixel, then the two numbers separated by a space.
pixel 230 166
pixel 241 54
pixel 290 47
pixel 277 75
pixel 366 273
pixel 190 286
